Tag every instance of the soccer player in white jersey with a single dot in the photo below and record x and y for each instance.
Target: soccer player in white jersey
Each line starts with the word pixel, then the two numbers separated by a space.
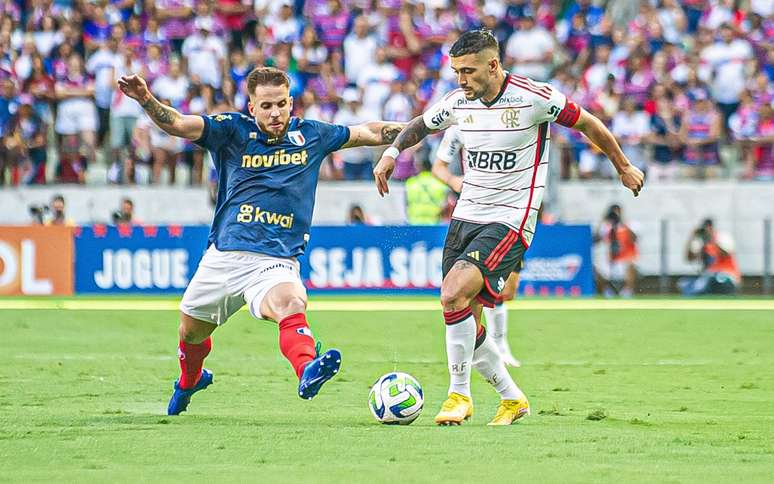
pixel 503 120
pixel 449 150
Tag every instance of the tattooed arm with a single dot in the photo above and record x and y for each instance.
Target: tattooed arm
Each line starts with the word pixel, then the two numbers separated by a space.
pixel 373 134
pixel 414 132
pixel 167 118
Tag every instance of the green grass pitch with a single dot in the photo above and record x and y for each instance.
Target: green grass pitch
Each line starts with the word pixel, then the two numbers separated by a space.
pixel 618 395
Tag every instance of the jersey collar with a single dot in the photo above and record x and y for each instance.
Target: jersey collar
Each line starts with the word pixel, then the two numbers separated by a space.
pixel 264 138
pixel 499 94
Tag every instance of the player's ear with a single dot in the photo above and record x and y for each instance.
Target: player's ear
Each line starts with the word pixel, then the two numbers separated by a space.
pixel 290 103
pixel 251 108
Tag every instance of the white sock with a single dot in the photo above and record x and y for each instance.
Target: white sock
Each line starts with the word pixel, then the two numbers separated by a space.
pixel 488 362
pixel 460 341
pixel 497 322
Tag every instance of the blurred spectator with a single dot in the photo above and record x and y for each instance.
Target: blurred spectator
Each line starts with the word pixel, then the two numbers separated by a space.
pixel 173 85
pixel 617 275
pixel 76 121
pixel 714 251
pixel 25 142
pixel 124 113
pixel 57 211
pixel 125 213
pixel 359 50
pixel 425 196
pixel 535 60
pixel 357 216
pixel 285 28
pixel 727 57
pixel 760 157
pixel 357 161
pixel 700 132
pixel 101 66
pixel 664 137
pixel 631 126
pixel 233 14
pixel 375 83
pixel 205 53
pixel 175 21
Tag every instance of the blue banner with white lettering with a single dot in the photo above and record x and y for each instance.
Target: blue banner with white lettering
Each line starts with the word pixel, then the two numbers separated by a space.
pixel 396 259
pixel 135 259
pixel 354 259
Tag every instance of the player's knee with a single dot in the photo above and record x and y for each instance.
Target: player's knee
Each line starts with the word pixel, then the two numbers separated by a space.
pixel 290 304
pixel 453 299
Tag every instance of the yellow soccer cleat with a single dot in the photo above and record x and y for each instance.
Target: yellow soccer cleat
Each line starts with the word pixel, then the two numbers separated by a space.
pixel 454 410
pixel 510 411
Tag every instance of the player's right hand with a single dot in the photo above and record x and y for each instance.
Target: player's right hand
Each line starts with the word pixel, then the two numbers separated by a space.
pixel 135 87
pixel 383 172
pixel 633 179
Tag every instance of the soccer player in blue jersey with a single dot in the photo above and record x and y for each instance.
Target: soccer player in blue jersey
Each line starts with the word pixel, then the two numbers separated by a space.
pixel 268 166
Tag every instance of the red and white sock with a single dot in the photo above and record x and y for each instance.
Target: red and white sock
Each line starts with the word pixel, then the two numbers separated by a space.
pixel 191 361
pixel 296 341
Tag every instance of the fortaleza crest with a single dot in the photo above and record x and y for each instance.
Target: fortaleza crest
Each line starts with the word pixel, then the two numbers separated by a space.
pixel 296 138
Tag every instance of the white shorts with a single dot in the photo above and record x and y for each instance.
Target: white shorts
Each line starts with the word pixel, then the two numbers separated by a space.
pixel 226 280
pixel 76 116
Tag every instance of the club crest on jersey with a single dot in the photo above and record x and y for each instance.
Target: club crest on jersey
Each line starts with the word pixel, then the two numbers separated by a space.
pixel 296 137
pixel 510 118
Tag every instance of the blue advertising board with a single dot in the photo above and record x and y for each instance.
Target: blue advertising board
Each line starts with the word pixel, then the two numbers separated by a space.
pixel 135 259
pixel 139 259
pixel 379 259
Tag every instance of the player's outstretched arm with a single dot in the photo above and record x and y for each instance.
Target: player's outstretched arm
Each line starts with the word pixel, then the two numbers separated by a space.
pixel 167 118
pixel 597 132
pixel 414 132
pixel 375 133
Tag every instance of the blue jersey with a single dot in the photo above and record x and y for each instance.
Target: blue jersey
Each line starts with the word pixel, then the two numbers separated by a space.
pixel 266 191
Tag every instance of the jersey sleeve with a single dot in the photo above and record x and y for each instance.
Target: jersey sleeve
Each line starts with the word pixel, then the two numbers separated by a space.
pixel 218 130
pixel 450 146
pixel 441 115
pixel 554 107
pixel 332 136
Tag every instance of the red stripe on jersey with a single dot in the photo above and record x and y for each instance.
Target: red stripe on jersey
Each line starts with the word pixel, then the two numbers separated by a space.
pixel 569 115
pixel 541 138
pixel 533 91
pixel 532 84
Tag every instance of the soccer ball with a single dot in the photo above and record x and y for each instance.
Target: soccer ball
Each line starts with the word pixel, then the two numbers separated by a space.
pixel 396 398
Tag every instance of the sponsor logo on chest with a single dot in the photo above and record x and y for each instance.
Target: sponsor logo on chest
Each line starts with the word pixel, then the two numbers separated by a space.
pixel 278 158
pixel 492 160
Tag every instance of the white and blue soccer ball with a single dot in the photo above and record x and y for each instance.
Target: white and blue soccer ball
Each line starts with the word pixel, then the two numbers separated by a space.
pixel 396 398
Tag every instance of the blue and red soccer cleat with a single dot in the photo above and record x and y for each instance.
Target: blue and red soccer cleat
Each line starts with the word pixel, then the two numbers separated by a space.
pixel 317 372
pixel 181 398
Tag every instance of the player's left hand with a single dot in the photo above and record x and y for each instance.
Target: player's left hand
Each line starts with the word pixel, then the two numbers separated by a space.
pixel 633 179
pixel 383 172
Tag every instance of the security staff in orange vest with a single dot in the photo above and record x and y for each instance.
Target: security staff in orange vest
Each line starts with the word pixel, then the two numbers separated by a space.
pixel 715 251
pixel 618 273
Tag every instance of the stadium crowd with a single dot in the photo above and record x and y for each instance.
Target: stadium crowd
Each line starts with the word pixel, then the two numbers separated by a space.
pixel 686 85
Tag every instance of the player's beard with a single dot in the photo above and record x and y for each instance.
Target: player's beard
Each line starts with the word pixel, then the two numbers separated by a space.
pixel 271 137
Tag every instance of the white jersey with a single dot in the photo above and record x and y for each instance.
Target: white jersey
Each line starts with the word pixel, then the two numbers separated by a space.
pixel 506 150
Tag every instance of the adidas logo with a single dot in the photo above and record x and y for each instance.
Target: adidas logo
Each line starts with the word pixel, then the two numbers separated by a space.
pixel 468 119
pixel 473 255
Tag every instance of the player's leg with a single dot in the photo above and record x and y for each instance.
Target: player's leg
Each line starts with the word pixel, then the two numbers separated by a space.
pixel 488 362
pixel 497 319
pixel 207 303
pixel 285 304
pixel 458 289
pixel 278 295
